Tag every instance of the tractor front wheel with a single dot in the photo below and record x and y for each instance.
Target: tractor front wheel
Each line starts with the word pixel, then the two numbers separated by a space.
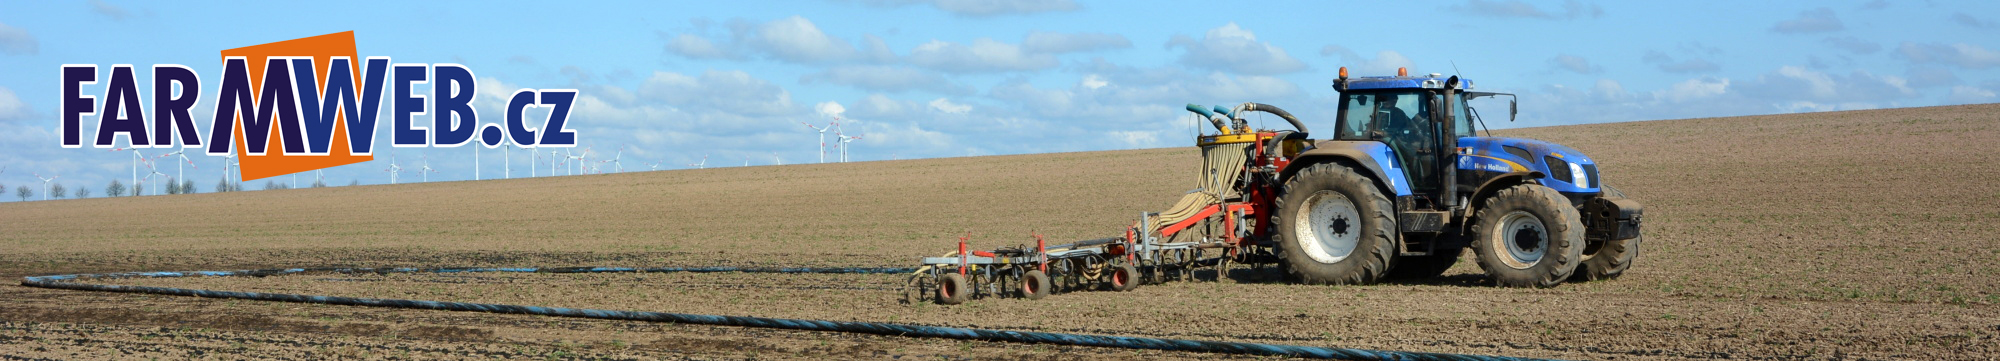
pixel 1334 227
pixel 1528 236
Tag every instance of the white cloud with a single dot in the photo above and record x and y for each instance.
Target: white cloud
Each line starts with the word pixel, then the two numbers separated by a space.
pixel 14 41
pixel 830 109
pixel 1572 9
pixel 697 47
pixel 1384 63
pixel 945 105
pixel 1973 22
pixel 984 55
pixel 731 91
pixel 883 107
pixel 793 39
pixel 1697 88
pixel 887 78
pixel 102 8
pixel 1667 63
pixel 987 8
pixel 1961 54
pixel 1093 81
pixel 1576 64
pixel 1234 49
pixel 1048 42
pixel 1853 44
pixel 1971 95
pixel 1810 21
pixel 11 106
pixel 799 40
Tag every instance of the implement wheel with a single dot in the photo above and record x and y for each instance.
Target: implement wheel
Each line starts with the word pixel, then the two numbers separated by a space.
pixel 1528 236
pixel 1124 277
pixel 1035 285
pixel 953 289
pixel 1607 259
pixel 1334 227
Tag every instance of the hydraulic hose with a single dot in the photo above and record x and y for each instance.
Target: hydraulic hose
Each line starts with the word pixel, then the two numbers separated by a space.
pixel 888 329
pixel 1205 114
pixel 1281 113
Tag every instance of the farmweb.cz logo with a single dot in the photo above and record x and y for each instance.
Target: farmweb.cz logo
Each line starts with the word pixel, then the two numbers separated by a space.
pixel 282 111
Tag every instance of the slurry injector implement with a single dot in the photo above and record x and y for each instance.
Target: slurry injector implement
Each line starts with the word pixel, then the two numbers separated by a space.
pixel 1403 185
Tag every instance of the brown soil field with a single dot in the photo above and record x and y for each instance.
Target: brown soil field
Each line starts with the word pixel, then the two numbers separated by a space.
pixel 1843 235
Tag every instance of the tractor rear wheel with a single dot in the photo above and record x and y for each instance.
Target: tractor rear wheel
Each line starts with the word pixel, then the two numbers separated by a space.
pixel 1334 227
pixel 952 289
pixel 1608 259
pixel 1528 236
pixel 1035 285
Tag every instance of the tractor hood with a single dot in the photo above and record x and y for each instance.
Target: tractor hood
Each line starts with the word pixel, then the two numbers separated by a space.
pixel 1563 168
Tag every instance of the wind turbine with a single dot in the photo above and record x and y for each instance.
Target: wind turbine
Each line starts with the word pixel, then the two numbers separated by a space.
pixel 843 139
pixel 180 169
pixel 702 165
pixel 136 159
pixel 822 136
pixel 475 161
pixel 393 169
pixel 656 165
pixel 426 171
pixel 615 165
pixel 45 185
pixel 552 162
pixel 156 186
pixel 776 160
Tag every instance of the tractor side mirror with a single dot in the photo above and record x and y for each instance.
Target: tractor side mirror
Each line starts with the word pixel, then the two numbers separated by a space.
pixel 1513 109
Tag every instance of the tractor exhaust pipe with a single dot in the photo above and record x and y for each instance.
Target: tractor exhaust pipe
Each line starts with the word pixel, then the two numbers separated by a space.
pixel 1450 143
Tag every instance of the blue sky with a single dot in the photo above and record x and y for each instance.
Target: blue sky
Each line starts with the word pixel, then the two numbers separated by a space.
pixel 674 81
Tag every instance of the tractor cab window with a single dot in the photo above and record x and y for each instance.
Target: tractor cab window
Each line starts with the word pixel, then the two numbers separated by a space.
pixel 1393 114
pixel 1462 126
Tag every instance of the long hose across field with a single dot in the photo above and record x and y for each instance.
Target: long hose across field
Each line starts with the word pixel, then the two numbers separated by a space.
pixel 70 282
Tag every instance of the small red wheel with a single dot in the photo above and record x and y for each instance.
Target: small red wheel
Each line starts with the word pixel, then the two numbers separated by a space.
pixel 1034 285
pixel 1124 277
pixel 952 289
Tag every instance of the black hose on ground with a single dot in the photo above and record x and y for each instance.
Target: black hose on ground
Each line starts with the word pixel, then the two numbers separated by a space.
pixel 889 329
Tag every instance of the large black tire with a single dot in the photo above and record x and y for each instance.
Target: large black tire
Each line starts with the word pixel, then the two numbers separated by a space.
pixel 952 289
pixel 1035 285
pixel 1609 259
pixel 1528 236
pixel 1425 267
pixel 1334 227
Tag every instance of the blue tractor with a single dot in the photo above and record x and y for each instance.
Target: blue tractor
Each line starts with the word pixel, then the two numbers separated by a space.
pixel 1405 184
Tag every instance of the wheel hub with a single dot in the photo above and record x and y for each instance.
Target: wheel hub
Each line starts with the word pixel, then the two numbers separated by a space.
pixel 1524 238
pixel 1329 229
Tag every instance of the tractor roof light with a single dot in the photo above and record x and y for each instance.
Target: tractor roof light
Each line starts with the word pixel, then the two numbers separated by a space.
pixel 1343 72
pixel 1402 71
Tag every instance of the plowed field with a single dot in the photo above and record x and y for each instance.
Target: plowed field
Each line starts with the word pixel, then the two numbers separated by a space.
pixel 1845 235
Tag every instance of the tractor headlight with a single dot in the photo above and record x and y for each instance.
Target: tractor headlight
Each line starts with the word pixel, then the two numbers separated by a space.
pixel 1578 177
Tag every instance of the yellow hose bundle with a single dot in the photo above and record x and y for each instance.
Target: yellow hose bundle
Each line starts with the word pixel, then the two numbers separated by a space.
pixel 1222 166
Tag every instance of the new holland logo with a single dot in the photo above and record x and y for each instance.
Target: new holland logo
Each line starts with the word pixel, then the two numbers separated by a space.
pixel 305 104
